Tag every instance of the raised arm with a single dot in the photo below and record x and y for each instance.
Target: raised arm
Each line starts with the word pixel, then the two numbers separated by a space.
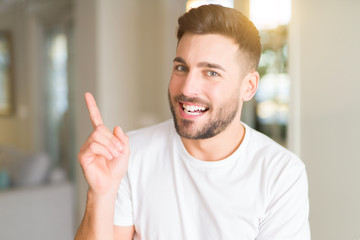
pixel 104 160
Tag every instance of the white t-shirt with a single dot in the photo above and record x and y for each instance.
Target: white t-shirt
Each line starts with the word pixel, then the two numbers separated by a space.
pixel 259 192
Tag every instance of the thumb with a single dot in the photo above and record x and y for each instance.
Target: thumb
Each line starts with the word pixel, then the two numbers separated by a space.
pixel 124 139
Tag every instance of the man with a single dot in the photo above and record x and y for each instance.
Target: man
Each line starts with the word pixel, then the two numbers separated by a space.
pixel 204 175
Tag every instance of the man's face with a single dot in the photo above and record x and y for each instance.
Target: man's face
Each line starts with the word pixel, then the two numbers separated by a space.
pixel 205 85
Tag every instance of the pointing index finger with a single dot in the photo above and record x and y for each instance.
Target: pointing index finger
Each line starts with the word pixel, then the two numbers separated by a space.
pixel 94 112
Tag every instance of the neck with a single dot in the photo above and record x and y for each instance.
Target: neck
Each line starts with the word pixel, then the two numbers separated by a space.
pixel 218 147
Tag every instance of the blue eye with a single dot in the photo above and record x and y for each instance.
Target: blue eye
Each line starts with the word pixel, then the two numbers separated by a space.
pixel 181 68
pixel 212 74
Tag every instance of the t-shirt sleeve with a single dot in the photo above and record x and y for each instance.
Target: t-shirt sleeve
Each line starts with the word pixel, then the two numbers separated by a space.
pixel 286 217
pixel 123 212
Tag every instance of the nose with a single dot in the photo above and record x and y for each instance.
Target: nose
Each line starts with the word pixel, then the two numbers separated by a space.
pixel 191 84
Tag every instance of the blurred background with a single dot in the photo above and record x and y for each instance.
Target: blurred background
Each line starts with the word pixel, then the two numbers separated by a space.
pixel 53 51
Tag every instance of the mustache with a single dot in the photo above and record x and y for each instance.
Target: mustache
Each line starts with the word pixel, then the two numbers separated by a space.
pixel 196 100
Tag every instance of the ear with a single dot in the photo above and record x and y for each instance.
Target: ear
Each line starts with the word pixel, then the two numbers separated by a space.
pixel 250 85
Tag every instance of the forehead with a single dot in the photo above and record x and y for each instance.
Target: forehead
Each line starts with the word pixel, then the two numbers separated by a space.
pixel 215 48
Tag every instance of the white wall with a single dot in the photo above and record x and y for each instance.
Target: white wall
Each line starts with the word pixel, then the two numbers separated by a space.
pixel 325 57
pixel 123 55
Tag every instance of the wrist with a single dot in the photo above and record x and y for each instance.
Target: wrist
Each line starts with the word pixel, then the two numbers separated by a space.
pixel 101 209
pixel 95 198
pixel 99 217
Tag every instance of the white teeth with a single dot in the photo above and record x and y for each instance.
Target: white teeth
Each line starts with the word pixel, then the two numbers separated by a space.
pixel 193 113
pixel 193 110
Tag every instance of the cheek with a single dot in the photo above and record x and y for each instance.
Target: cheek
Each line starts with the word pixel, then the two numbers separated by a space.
pixel 218 93
pixel 225 95
pixel 173 85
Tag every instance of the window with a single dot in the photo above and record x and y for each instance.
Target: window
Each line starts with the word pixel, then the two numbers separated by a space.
pixel 59 132
pixel 197 3
pixel 272 98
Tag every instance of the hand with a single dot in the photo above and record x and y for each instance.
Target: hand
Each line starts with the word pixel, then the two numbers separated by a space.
pixel 105 154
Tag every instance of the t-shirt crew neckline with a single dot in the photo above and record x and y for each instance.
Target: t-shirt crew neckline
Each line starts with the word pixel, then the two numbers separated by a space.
pixel 213 164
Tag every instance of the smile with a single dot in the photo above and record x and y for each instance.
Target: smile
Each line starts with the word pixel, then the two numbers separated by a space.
pixel 193 110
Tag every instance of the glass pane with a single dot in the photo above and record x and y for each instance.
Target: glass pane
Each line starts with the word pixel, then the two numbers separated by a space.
pixel 272 98
pixel 5 74
pixel 57 98
pixel 197 3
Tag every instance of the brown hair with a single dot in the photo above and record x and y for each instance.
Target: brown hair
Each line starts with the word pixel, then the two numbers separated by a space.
pixel 229 22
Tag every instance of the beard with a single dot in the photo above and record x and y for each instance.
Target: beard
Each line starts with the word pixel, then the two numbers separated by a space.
pixel 222 117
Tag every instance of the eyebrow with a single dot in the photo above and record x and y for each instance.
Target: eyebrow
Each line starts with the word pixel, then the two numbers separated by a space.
pixel 201 64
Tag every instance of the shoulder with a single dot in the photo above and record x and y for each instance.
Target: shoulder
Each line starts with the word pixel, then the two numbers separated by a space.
pixel 279 168
pixel 270 154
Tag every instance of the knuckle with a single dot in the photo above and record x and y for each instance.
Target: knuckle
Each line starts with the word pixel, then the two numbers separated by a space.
pixel 92 146
pixel 81 158
pixel 95 135
pixel 115 140
pixel 100 127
